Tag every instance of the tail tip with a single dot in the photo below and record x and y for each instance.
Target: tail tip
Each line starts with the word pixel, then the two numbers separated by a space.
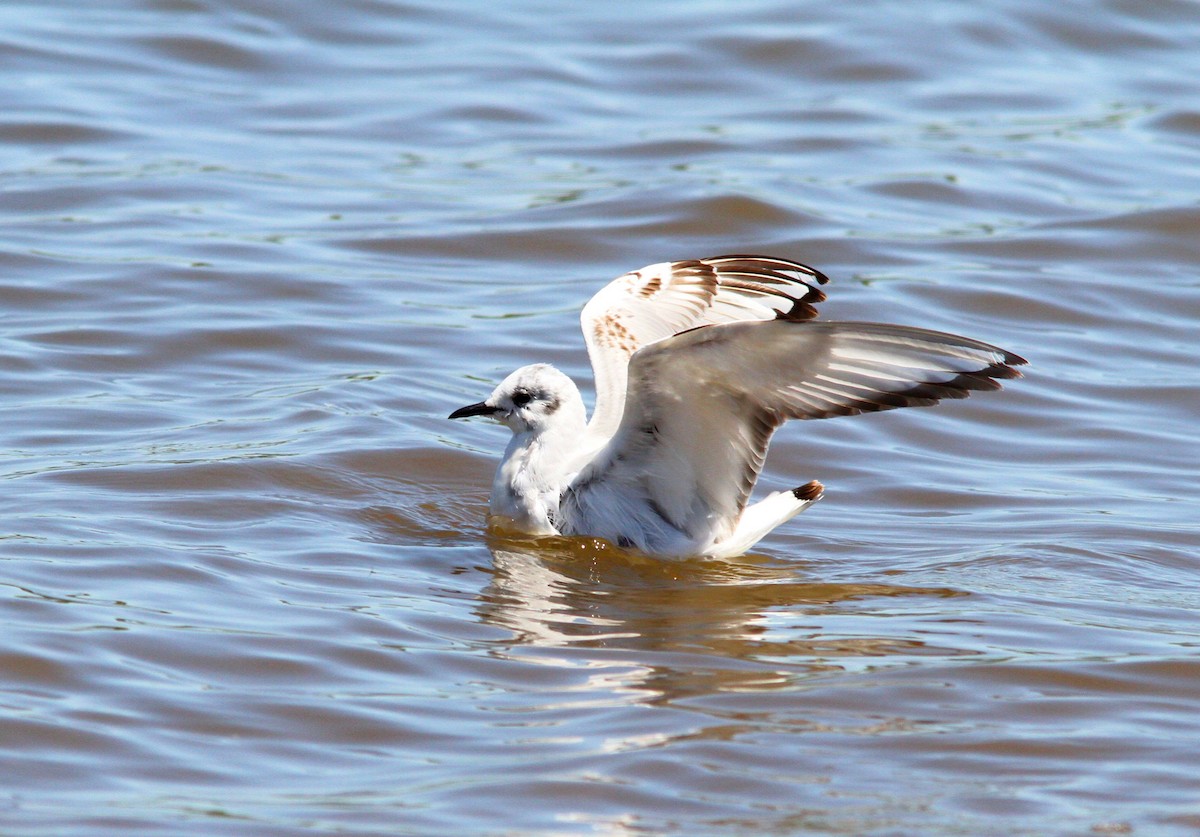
pixel 809 492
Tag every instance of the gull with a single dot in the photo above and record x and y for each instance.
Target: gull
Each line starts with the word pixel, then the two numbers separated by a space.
pixel 696 364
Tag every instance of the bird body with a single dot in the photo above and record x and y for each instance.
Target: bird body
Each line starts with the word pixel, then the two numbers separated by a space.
pixel 697 363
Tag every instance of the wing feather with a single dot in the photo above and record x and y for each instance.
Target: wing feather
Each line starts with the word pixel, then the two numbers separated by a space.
pixel 661 300
pixel 702 407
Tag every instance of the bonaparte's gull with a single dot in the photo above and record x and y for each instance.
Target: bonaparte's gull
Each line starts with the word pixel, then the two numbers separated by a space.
pixel 697 363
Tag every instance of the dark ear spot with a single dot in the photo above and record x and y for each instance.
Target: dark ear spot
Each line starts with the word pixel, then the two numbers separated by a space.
pixel 553 403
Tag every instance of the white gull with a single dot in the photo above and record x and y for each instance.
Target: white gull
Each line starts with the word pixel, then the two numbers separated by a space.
pixel 697 363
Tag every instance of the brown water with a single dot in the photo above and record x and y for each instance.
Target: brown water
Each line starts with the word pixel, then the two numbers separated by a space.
pixel 253 253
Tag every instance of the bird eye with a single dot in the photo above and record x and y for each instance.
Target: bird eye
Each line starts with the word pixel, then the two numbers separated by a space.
pixel 520 399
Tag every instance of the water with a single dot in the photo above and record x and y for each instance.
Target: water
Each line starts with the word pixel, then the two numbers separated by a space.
pixel 254 252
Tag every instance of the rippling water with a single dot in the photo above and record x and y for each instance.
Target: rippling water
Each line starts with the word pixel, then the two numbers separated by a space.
pixel 253 253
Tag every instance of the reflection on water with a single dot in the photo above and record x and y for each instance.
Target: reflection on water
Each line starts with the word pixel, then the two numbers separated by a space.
pixel 713 625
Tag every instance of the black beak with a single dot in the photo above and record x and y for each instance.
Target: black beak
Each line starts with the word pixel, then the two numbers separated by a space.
pixel 480 409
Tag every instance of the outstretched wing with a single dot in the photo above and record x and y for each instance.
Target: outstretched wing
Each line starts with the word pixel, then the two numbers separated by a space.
pixel 663 299
pixel 702 407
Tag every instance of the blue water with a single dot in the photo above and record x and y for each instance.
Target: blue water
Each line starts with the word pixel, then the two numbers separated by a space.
pixel 253 253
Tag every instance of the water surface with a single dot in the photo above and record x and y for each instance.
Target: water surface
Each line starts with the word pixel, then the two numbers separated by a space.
pixel 254 252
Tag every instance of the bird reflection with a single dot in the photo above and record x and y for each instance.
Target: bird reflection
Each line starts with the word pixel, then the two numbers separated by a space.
pixel 696 626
